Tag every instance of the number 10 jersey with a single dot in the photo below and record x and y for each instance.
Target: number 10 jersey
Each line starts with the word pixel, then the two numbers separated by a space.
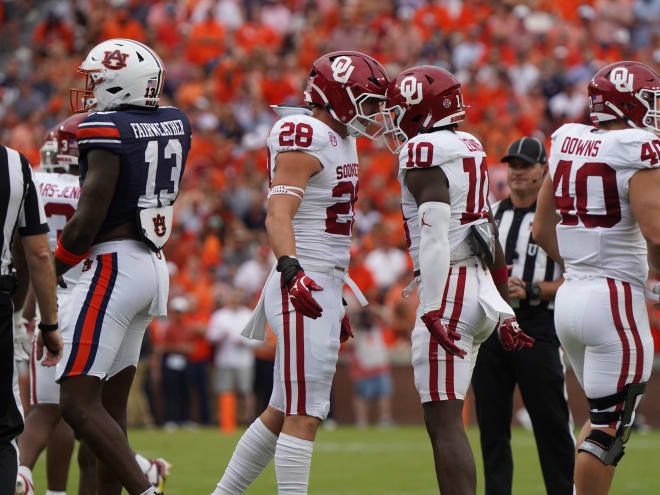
pixel 590 171
pixel 323 223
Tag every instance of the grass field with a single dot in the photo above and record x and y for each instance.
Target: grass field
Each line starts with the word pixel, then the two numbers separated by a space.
pixel 349 461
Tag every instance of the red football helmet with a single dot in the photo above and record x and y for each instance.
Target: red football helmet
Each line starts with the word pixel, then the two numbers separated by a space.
pixel 629 91
pixel 420 99
pixel 350 86
pixel 66 145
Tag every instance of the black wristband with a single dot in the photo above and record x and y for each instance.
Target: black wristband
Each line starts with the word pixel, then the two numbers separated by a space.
pixel 47 328
pixel 532 290
pixel 288 267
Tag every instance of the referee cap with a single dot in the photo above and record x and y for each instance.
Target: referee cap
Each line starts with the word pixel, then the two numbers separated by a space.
pixel 528 149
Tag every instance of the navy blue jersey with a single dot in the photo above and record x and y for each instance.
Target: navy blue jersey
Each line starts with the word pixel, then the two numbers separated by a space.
pixel 152 146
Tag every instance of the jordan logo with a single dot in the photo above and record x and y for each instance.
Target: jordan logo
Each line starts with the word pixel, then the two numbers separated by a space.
pixel 159 225
pixel 423 222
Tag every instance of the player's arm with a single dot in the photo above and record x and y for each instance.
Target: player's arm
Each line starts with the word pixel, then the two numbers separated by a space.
pixel 430 188
pixel 22 272
pixel 645 205
pixel 545 222
pixel 95 197
pixel 499 270
pixel 292 171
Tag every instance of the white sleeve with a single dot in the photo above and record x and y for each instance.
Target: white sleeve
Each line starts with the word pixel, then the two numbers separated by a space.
pixel 433 252
pixel 214 331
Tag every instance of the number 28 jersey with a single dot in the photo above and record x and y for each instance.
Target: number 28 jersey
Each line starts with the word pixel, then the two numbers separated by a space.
pixel 152 146
pixel 324 220
pixel 463 160
pixel 590 171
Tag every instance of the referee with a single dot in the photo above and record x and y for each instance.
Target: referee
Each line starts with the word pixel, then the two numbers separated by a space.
pixel 538 371
pixel 23 220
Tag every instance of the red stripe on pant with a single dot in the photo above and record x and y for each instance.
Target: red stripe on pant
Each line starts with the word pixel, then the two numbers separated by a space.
pixel 639 348
pixel 87 335
pixel 625 345
pixel 300 362
pixel 453 322
pixel 433 349
pixel 286 330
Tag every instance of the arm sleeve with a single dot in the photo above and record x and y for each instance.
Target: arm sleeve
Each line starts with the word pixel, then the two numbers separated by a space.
pixel 433 252
pixel 31 218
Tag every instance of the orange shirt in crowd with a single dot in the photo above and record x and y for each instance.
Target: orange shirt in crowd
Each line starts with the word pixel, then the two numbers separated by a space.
pixel 206 42
pixel 46 35
pixel 251 36
pixel 122 26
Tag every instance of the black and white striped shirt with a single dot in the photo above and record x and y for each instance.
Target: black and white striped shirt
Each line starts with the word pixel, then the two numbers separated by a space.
pixel 530 262
pixel 20 203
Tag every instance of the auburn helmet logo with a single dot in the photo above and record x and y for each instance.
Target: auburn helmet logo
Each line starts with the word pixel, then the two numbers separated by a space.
pixel 159 225
pixel 114 60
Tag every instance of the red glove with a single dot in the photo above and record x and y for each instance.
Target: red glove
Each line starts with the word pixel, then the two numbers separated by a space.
pixel 512 336
pixel 441 334
pixel 346 331
pixel 300 291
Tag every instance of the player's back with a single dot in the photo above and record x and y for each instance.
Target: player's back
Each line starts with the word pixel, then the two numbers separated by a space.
pixel 323 223
pixel 59 193
pixel 590 170
pixel 152 144
pixel 463 160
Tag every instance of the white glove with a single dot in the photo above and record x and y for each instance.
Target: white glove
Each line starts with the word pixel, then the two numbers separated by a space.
pixel 22 339
pixel 654 294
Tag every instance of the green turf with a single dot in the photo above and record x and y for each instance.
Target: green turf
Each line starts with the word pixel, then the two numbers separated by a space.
pixel 349 461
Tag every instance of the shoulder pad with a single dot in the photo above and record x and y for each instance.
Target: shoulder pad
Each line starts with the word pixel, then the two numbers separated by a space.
pixel 299 132
pixel 287 110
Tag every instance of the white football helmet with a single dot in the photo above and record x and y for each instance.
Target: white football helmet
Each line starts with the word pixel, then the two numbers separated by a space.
pixel 119 72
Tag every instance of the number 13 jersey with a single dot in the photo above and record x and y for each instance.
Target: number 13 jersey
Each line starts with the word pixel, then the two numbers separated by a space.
pixel 590 171
pixel 152 146
pixel 463 161
pixel 323 223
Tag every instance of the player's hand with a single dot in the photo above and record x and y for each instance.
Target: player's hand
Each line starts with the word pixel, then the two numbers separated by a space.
pixel 346 330
pixel 517 288
pixel 52 342
pixel 300 291
pixel 441 334
pixel 511 335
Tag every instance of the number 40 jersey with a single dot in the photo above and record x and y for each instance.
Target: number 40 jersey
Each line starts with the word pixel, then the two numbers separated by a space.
pixel 152 145
pixel 323 223
pixel 590 171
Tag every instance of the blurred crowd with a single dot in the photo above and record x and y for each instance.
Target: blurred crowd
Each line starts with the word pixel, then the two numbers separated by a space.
pixel 524 66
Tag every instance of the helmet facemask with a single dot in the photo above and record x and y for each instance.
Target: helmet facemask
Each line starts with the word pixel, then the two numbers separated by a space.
pixel 83 100
pixel 394 136
pixel 48 154
pixel 650 98
pixel 369 120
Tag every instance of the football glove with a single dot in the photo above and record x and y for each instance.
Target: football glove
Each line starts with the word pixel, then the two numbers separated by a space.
pixel 511 335
pixel 442 335
pixel 300 287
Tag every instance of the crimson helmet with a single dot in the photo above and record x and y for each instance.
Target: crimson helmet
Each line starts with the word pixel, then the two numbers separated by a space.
pixel 629 91
pixel 420 99
pixel 66 155
pixel 342 82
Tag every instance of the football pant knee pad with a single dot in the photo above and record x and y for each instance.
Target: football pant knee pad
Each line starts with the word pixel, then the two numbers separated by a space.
pixel 607 448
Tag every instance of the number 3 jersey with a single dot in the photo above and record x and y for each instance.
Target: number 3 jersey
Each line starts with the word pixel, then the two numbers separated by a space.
pixel 463 160
pixel 59 194
pixel 590 171
pixel 152 145
pixel 323 223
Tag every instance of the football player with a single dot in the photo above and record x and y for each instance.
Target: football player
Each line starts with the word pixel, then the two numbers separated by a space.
pixel 132 154
pixel 598 211
pixel 313 180
pixel 452 243
pixel 59 189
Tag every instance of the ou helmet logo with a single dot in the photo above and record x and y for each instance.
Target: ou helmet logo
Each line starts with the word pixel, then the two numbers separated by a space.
pixel 342 68
pixel 622 79
pixel 411 90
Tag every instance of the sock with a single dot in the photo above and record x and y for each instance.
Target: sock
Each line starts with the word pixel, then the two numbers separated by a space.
pixel 293 457
pixel 143 462
pixel 52 492
pixel 252 454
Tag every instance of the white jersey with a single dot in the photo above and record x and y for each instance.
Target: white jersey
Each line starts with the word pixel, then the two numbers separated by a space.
pixel 463 160
pixel 590 171
pixel 324 220
pixel 59 193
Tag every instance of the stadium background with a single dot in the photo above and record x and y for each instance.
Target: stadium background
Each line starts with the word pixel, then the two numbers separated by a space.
pixel 524 68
